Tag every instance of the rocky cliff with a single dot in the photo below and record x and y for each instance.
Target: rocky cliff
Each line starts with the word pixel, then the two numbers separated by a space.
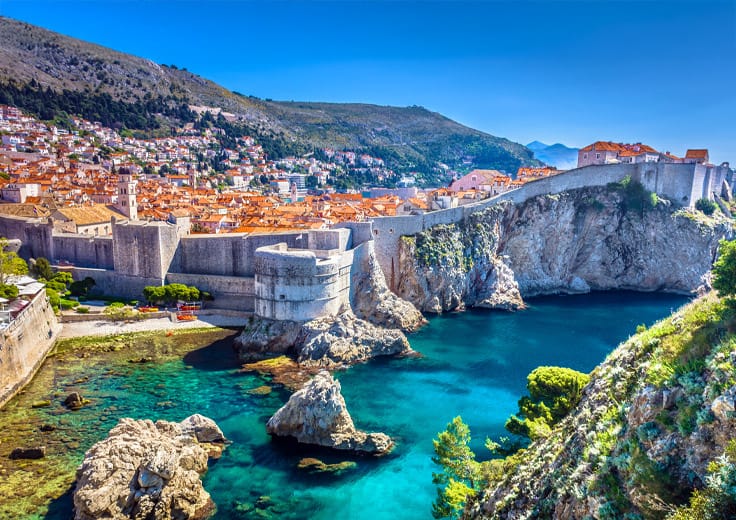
pixel 596 238
pixel 655 422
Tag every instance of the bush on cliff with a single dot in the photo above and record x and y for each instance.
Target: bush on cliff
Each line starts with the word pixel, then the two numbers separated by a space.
pixel 724 269
pixel 707 206
pixel 10 263
pixel 634 196
pixel 553 392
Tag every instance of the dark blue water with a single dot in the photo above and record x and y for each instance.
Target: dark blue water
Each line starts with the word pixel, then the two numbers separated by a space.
pixel 474 364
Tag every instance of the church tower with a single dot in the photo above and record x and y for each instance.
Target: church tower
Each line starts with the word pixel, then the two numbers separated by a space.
pixel 126 194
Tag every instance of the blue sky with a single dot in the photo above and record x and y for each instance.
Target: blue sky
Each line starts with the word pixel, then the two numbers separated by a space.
pixel 663 73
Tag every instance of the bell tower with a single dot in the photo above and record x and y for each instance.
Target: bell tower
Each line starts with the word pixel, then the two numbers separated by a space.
pixel 127 203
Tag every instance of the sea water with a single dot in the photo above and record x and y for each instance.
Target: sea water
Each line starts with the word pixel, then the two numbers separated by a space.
pixel 473 364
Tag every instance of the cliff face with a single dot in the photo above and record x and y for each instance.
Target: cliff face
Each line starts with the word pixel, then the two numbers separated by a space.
pixel 652 425
pixel 577 241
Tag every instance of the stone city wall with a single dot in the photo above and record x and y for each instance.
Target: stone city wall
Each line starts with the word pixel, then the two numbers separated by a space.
pixel 229 292
pixel 683 184
pixel 24 345
pixel 296 285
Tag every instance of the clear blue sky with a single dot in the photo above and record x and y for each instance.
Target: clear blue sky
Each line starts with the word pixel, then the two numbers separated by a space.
pixel 660 72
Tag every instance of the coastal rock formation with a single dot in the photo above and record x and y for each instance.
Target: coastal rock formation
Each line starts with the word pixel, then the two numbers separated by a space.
pixel 345 340
pixel 373 301
pixel 317 414
pixel 573 242
pixel 649 428
pixel 328 342
pixel 148 470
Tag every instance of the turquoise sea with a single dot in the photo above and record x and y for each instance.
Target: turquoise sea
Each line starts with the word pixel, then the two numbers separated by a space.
pixel 474 364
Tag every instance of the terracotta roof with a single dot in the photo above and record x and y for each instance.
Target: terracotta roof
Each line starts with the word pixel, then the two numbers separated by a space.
pixel 701 153
pixel 24 210
pixel 87 215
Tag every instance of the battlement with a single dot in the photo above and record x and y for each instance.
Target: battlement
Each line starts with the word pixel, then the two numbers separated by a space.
pixel 301 275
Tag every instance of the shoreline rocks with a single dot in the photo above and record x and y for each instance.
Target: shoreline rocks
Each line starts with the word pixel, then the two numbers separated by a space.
pixel 317 414
pixel 148 470
pixel 330 342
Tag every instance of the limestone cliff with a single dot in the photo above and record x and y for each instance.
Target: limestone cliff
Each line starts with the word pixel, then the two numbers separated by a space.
pixel 653 424
pixel 373 301
pixel 587 239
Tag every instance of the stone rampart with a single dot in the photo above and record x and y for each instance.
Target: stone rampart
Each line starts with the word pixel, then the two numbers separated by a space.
pixel 83 251
pixel 24 344
pixel 296 285
pixel 229 292
pixel 683 184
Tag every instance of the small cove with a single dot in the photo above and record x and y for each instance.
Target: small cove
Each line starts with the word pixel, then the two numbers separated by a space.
pixel 474 364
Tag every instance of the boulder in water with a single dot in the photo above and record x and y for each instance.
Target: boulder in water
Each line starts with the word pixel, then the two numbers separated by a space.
pixel 148 470
pixel 317 414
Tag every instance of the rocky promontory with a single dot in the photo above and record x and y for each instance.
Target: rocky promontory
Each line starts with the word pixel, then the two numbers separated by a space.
pixel 317 414
pixel 148 470
pixel 329 342
pixel 595 238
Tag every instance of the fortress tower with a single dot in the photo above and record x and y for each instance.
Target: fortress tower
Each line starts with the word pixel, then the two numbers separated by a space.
pixel 127 195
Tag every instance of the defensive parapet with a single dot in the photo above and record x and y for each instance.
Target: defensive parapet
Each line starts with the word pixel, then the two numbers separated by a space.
pixel 298 285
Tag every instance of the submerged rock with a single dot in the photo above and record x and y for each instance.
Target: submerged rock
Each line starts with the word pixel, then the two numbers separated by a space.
pixel 28 453
pixel 75 401
pixel 317 466
pixel 317 414
pixel 148 470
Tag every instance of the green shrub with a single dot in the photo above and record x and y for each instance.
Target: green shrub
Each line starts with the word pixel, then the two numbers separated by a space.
pixel 724 269
pixel 553 392
pixel 54 298
pixel 68 304
pixel 8 291
pixel 82 310
pixel 707 206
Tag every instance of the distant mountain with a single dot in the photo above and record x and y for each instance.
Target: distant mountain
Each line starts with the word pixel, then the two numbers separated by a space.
pixel 48 73
pixel 558 155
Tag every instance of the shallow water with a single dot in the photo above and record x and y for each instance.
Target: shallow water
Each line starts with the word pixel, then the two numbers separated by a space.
pixel 474 364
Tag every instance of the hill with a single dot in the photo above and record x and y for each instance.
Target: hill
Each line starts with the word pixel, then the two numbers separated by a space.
pixel 655 423
pixel 558 155
pixel 49 74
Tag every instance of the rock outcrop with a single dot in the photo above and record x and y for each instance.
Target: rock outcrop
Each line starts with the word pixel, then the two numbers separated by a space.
pixel 148 470
pixel 648 427
pixel 328 342
pixel 346 340
pixel 372 300
pixel 572 242
pixel 317 414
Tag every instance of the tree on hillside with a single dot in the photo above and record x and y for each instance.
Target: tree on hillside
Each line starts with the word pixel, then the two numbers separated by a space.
pixel 724 270
pixel 42 269
pixel 460 471
pixel 553 392
pixel 10 263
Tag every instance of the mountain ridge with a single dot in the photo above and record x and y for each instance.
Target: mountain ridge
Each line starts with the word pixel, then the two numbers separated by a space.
pixel 412 138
